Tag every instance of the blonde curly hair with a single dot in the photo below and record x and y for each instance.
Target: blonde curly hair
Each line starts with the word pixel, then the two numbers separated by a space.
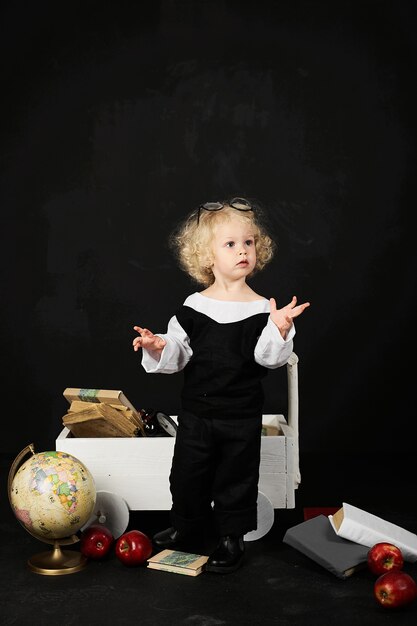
pixel 191 241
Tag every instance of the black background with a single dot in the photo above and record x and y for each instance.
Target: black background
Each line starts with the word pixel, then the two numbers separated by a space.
pixel 119 118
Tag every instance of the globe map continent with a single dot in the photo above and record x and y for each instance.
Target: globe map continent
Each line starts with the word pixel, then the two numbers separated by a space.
pixel 53 495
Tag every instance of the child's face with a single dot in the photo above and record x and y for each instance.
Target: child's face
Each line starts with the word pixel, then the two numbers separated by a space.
pixel 234 253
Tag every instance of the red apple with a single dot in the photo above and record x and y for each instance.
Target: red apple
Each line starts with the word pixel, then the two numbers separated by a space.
pixel 394 589
pixel 384 557
pixel 96 541
pixel 133 548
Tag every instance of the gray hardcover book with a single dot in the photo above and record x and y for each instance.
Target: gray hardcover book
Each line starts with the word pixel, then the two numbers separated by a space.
pixel 316 539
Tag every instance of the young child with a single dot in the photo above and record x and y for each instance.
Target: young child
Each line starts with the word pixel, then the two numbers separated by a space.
pixel 225 338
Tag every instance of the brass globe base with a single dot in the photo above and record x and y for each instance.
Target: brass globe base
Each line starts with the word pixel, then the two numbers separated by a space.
pixel 57 562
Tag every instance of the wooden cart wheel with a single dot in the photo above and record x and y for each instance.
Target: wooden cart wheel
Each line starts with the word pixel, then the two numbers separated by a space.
pixel 110 510
pixel 265 518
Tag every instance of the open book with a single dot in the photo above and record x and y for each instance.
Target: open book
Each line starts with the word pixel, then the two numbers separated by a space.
pixel 356 525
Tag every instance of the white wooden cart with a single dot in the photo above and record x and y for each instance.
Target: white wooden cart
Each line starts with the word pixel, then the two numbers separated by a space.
pixel 132 473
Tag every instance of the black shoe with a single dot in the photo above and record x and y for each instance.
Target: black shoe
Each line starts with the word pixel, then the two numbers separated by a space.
pixel 228 555
pixel 168 538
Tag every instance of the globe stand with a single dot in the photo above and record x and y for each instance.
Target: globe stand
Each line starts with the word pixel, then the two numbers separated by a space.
pixel 57 562
pixel 54 562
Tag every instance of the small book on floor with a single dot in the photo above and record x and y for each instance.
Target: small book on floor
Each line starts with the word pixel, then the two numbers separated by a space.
pixel 178 562
pixel 316 539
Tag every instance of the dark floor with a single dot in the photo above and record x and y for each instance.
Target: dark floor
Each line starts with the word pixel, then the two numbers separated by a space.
pixel 275 585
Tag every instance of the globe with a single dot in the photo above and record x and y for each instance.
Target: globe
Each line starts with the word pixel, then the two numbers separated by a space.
pixel 52 495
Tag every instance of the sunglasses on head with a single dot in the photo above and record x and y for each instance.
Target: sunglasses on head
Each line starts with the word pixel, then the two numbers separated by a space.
pixel 240 204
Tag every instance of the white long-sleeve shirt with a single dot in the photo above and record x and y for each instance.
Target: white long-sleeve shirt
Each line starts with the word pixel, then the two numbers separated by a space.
pixel 271 350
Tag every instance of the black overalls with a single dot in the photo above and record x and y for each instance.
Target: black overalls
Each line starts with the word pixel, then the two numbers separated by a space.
pixel 217 448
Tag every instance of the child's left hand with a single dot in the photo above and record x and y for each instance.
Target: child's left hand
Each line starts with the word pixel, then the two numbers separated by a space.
pixel 283 318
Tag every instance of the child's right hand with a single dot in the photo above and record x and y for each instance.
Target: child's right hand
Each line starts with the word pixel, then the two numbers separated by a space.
pixel 148 340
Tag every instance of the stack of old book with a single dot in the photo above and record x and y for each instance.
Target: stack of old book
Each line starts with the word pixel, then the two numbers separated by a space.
pixel 101 413
pixel 340 542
